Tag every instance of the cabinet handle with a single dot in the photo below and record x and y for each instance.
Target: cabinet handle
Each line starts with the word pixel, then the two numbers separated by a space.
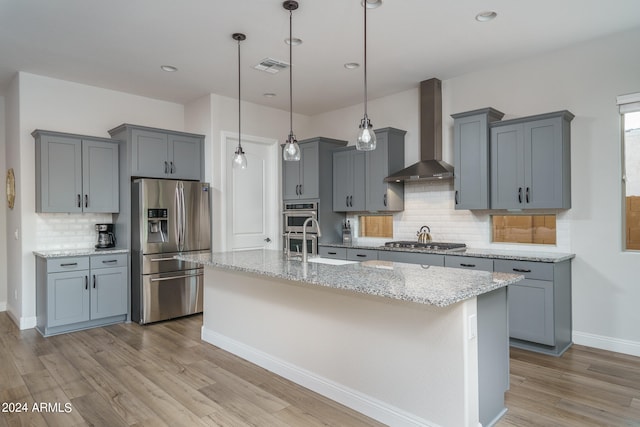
pixel 384 199
pixel 455 197
pixel 111 261
pixel 522 270
pixel 346 201
pixel 172 168
pixel 94 281
pixel 79 201
pixel 86 283
pixel 332 253
pixel 519 194
pixel 527 195
pixel 361 255
pixel 467 265
pixel 350 201
pixel 69 264
pixel 86 200
pixel 166 167
pixel 301 189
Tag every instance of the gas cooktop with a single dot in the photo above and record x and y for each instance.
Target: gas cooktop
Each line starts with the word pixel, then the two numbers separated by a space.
pixel 431 245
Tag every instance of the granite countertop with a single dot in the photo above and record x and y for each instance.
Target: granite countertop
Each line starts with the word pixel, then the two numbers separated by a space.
pixel 61 253
pixel 516 255
pixel 430 285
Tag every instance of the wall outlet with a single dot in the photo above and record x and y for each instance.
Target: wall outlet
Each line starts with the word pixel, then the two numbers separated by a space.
pixel 16 234
pixel 473 327
pixel 15 295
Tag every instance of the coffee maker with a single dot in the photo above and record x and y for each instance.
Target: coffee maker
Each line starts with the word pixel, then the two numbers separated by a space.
pixel 106 238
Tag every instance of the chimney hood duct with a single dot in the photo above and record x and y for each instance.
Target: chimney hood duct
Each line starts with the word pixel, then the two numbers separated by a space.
pixel 430 166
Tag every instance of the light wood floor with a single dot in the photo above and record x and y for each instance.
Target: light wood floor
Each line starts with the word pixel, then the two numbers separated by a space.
pixel 163 375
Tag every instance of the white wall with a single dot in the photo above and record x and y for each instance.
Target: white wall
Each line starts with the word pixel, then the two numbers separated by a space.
pixel 3 212
pixel 584 79
pixel 37 102
pixel 214 115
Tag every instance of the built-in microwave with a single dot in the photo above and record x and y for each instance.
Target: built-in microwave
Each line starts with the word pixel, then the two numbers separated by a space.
pixel 295 214
pixel 293 242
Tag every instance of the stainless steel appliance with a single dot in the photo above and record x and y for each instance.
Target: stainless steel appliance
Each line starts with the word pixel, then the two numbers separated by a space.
pixel 106 237
pixel 168 218
pixel 295 214
pixel 442 246
pixel 293 243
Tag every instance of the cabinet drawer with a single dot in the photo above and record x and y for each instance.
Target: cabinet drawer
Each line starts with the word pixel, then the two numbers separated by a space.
pixel 361 254
pixel 470 263
pixel 335 253
pixel 412 258
pixel 108 260
pixel 529 269
pixel 56 265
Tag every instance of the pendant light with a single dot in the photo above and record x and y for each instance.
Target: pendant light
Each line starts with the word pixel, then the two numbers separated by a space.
pixel 291 152
pixel 239 159
pixel 366 136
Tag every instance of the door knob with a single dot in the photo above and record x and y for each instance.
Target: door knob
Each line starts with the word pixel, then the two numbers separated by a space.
pixel 267 240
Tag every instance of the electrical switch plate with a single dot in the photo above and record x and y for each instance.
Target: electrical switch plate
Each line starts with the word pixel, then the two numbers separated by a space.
pixel 473 327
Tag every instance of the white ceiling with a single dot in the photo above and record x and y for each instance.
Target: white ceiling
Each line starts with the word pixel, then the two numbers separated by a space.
pixel 120 44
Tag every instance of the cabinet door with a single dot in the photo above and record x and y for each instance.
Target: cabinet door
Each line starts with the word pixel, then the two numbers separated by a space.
pixel 377 165
pixel 185 157
pixel 100 176
pixel 359 186
pixel 290 180
pixel 361 254
pixel 309 171
pixel 543 163
pixel 507 167
pixel 108 292
pixel 149 157
pixel 342 187
pixel 531 316
pixel 471 153
pixel 59 174
pixel 68 298
pixel 412 257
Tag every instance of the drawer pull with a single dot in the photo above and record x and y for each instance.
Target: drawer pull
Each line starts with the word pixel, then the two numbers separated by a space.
pixel 110 261
pixel 467 265
pixel 361 255
pixel 332 253
pixel 94 281
pixel 69 264
pixel 522 270
pixel 186 276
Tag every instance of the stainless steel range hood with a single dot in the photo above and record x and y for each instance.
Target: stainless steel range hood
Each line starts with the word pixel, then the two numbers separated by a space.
pixel 430 166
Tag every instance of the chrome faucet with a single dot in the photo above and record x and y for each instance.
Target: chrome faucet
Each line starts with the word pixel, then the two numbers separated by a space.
pixel 304 236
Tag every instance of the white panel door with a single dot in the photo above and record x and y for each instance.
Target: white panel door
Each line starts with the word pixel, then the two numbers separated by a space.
pixel 251 199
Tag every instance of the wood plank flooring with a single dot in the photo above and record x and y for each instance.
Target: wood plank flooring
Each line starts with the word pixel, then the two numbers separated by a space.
pixel 163 375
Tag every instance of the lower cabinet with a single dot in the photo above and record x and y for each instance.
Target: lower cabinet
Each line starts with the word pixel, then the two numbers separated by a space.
pixel 75 293
pixel 412 258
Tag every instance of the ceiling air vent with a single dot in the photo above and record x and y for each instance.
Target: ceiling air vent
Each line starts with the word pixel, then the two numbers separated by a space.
pixel 271 65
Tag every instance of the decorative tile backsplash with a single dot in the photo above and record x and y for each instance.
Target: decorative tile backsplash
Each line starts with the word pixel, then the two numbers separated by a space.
pixel 68 231
pixel 432 203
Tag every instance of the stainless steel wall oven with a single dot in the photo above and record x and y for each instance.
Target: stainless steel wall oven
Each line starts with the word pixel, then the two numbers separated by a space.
pixel 295 214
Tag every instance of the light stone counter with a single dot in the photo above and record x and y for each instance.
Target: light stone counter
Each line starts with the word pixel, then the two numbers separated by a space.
pixel 431 285
pixel 62 253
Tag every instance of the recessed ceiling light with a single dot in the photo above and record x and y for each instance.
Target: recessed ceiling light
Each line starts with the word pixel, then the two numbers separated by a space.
pixel 294 41
pixel 351 65
pixel 371 4
pixel 269 95
pixel 169 68
pixel 488 15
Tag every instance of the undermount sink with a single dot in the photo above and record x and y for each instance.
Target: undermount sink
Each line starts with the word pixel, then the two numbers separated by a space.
pixel 331 261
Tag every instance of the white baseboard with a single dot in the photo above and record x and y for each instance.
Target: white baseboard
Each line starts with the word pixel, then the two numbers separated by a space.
pixel 353 399
pixel 3 306
pixel 607 343
pixel 22 322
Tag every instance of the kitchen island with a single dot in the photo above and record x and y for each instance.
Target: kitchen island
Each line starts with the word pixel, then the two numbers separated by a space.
pixel 408 345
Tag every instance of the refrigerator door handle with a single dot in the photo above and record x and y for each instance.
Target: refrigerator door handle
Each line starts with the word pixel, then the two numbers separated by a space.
pixel 181 216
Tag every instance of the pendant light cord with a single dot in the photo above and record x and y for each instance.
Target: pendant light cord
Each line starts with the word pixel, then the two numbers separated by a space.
pixel 364 6
pixel 239 98
pixel 290 76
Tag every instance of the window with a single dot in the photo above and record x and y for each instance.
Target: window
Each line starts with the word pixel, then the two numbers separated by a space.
pixel 630 111
pixel 533 229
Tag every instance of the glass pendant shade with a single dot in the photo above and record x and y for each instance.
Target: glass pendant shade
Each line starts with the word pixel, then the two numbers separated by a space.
pixel 239 159
pixel 366 136
pixel 291 152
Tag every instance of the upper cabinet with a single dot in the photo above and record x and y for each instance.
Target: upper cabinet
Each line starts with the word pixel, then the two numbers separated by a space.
pixel 388 157
pixel 302 179
pixel 358 176
pixel 159 153
pixel 471 157
pixel 76 173
pixel 531 162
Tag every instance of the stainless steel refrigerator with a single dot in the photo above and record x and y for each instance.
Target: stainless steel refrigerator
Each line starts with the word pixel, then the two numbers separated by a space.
pixel 168 218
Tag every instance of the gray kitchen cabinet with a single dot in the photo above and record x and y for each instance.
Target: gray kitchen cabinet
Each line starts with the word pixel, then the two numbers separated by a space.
pixel 355 254
pixel 412 257
pixel 75 293
pixel 303 179
pixel 531 162
pixel 387 158
pixel 349 166
pixel 539 305
pixel 471 157
pixel 160 153
pixel 468 263
pixel 76 173
pixel 332 252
